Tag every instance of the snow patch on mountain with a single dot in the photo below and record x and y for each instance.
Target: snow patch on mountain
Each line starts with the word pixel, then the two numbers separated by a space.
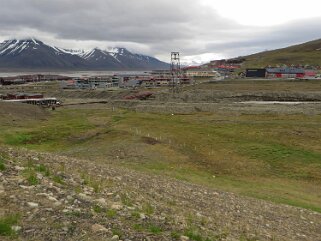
pixel 113 50
pixel 12 47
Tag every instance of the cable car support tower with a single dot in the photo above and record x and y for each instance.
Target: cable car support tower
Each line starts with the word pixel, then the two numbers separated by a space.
pixel 175 71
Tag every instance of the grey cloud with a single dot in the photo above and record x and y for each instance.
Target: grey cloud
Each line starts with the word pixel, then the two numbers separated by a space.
pixel 284 35
pixel 122 20
pixel 152 26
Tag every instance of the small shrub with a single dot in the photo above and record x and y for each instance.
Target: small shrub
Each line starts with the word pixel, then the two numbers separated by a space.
pixel 126 200
pixel 62 167
pixel 148 209
pixel 43 169
pixel 78 189
pixel 6 223
pixel 244 237
pixel 138 227
pixel 195 235
pixel 18 139
pixel 155 229
pixel 111 213
pixel 117 231
pixel 58 179
pixel 175 235
pixel 135 215
pixel 96 186
pixel 97 209
pixel 30 165
pixel 74 213
pixel 32 179
pixel 87 180
pixel 117 118
pixel 5 229
pixel 2 165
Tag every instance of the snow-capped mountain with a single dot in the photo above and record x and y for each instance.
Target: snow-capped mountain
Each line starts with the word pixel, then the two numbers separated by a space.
pixel 120 58
pixel 34 54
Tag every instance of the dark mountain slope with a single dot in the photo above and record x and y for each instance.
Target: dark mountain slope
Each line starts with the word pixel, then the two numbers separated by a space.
pixel 34 54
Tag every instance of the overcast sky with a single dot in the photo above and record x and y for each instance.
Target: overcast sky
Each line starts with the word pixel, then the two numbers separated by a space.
pixel 200 29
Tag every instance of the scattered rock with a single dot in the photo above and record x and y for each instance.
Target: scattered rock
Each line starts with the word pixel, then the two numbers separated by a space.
pixel 18 168
pixel 101 201
pixel 16 228
pixel 42 194
pixel 57 204
pixel 69 197
pixel 2 189
pixel 27 187
pixel 65 229
pixel 32 204
pixel 97 228
pixel 115 238
pixel 142 216
pixel 184 238
pixel 84 197
pixel 117 206
pixel 39 176
pixel 52 199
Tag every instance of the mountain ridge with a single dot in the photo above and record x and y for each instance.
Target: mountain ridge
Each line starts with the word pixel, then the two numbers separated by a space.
pixel 308 53
pixel 33 54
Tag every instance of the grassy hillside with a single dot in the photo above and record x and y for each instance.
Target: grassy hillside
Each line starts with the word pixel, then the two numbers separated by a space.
pixel 306 53
pixel 268 156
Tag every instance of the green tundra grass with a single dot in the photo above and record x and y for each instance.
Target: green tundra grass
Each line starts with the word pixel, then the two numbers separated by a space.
pixel 266 156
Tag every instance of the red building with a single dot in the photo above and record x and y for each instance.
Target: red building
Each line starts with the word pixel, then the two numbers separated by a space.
pixel 23 96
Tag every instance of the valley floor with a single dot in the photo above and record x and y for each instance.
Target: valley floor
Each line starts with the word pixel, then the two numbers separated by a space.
pixel 210 163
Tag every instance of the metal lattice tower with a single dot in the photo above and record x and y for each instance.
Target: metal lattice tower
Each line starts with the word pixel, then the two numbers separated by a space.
pixel 175 69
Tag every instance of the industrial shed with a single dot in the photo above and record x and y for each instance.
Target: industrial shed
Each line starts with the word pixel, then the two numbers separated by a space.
pixel 255 73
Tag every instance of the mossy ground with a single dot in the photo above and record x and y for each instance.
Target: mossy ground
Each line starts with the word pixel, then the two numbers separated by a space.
pixel 267 156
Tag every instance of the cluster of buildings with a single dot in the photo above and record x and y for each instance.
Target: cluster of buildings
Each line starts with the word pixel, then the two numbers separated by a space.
pixel 201 72
pixel 215 69
pixel 282 73
pixel 225 67
pixel 232 67
pixel 23 79
pixel 30 98
pixel 157 78
pixel 91 82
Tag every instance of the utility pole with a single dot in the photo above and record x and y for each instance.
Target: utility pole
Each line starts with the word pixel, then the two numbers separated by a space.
pixel 175 70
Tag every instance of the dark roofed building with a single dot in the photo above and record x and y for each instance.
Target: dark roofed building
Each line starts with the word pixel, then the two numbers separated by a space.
pixel 255 73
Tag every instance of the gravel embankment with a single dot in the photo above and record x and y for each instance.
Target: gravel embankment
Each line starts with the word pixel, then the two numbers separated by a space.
pixel 71 199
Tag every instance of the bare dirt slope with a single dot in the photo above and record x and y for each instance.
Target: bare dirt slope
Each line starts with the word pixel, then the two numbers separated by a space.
pixel 61 198
pixel 20 112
